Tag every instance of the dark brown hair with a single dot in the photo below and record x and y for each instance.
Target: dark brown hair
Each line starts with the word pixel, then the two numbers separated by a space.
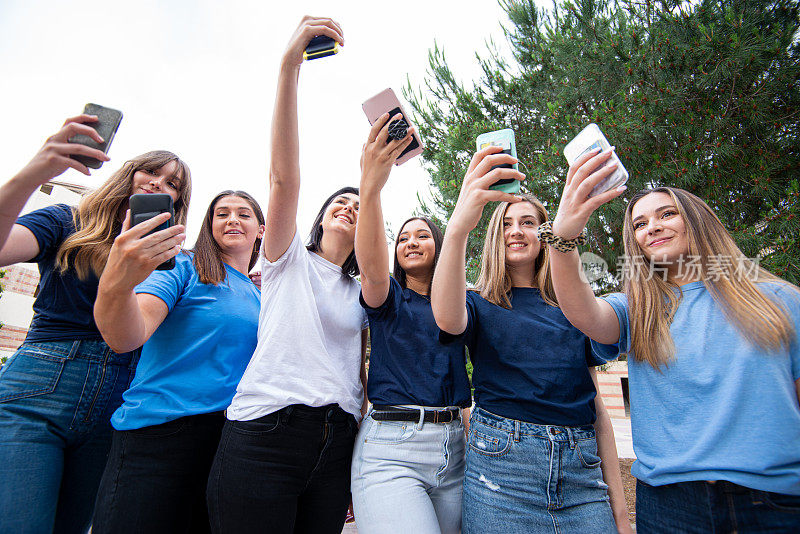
pixel 208 254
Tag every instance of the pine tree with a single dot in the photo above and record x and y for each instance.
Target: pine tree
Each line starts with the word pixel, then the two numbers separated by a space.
pixel 703 96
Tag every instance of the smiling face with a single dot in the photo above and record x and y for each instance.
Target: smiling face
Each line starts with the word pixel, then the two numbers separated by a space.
pixel 520 223
pixel 416 248
pixel 341 214
pixel 234 225
pixel 161 180
pixel 659 228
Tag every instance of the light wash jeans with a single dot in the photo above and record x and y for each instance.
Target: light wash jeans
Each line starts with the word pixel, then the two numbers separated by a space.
pixel 407 477
pixel 56 400
pixel 523 478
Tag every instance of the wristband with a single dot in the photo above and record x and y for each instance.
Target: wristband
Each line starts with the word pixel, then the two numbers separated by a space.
pixel 545 235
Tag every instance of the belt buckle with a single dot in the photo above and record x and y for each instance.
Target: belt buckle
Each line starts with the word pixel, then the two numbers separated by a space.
pixel 435 416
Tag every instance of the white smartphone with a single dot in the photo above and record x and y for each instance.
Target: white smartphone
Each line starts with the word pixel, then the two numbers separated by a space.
pixel 505 140
pixel 588 139
pixel 385 101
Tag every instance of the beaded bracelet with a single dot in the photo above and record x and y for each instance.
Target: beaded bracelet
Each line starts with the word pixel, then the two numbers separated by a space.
pixel 545 235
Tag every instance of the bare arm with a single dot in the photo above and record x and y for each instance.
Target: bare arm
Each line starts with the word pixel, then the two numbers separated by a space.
pixel 127 320
pixel 372 255
pixel 284 176
pixel 449 290
pixel 607 450
pixel 592 316
pixel 17 243
pixel 364 340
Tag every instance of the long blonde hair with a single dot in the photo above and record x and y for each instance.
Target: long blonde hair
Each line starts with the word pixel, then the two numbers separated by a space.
pixel 97 217
pixel 494 281
pixel 652 301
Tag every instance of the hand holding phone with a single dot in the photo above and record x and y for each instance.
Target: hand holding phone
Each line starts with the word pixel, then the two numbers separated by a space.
pixel 505 140
pixel 591 138
pixel 146 206
pixel 106 126
pixel 312 33
pixel 385 101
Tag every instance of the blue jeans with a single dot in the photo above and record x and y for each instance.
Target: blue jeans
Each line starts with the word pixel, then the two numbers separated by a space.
pixel 700 507
pixel 523 477
pixel 406 467
pixel 56 400
pixel 285 473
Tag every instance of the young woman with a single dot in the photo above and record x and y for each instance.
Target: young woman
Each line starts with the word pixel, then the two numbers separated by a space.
pixel 409 454
pixel 197 323
pixel 283 463
pixel 539 431
pixel 713 360
pixel 58 390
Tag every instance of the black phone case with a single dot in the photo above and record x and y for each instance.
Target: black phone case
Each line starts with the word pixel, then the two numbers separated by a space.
pixel 147 206
pixel 106 125
pixel 319 47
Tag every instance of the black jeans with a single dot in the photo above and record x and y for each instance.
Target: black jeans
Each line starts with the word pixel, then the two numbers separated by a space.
pixel 286 472
pixel 156 477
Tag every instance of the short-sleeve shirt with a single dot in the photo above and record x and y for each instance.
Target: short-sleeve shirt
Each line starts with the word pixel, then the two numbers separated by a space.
pixel 722 409
pixel 309 338
pixel 530 363
pixel 63 308
pixel 195 358
pixel 408 364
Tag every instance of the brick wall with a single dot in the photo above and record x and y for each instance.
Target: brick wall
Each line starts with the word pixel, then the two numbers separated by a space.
pixel 611 389
pixel 21 280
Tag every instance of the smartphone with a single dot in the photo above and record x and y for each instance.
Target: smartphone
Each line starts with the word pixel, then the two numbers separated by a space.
pixel 505 140
pixel 107 124
pixel 385 101
pixel 588 139
pixel 320 46
pixel 146 206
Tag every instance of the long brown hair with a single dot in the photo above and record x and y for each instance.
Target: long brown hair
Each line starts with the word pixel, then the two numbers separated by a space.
pixel 494 281
pixel 97 217
pixel 652 301
pixel 207 252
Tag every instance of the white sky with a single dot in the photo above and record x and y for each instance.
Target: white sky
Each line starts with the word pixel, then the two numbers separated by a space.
pixel 198 78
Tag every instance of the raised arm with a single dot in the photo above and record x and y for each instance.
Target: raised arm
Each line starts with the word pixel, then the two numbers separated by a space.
pixel 372 254
pixel 17 243
pixel 449 290
pixel 127 320
pixel 592 316
pixel 284 175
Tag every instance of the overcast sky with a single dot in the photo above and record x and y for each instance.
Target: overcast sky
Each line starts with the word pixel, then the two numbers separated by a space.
pixel 198 78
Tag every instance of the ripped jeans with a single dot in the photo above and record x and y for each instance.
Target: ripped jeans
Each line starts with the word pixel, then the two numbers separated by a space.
pixel 523 477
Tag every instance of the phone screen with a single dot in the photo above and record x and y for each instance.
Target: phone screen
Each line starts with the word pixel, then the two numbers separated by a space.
pixel 414 144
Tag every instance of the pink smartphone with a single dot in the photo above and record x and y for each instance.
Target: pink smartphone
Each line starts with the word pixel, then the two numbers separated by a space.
pixel 387 101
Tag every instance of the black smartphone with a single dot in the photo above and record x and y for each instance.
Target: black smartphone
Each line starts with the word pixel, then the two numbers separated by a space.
pixel 146 206
pixel 107 124
pixel 320 46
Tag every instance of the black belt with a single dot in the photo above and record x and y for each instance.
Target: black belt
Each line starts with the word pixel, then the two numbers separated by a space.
pixel 388 413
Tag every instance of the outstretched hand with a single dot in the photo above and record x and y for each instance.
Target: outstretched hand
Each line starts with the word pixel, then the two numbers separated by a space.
pixel 309 28
pixel 475 192
pixel 378 155
pixel 576 206
pixel 54 157
pixel 135 255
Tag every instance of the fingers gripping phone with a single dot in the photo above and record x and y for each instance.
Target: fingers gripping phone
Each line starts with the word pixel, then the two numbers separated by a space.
pixel 387 101
pixel 505 140
pixel 107 124
pixel 146 206
pixel 588 139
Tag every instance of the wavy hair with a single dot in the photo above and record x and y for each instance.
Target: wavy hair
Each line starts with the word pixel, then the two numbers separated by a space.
pixel 350 265
pixel 207 252
pixel 494 281
pixel 653 301
pixel 436 233
pixel 97 217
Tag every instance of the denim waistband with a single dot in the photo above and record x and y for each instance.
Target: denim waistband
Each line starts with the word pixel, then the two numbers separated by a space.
pixel 551 432
pixel 83 349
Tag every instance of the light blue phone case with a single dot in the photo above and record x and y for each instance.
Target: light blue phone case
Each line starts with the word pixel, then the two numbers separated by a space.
pixel 504 139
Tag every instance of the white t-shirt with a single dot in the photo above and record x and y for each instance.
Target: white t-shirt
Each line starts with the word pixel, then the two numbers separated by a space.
pixel 309 338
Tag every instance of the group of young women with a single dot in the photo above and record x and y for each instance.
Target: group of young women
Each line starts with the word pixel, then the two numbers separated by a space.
pixel 246 409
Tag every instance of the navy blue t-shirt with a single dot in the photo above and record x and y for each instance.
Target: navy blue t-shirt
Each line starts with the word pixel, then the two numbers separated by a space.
pixel 63 308
pixel 408 364
pixel 530 363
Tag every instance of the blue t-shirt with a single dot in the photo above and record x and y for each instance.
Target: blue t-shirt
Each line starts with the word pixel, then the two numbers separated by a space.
pixel 530 363
pixel 195 358
pixel 408 364
pixel 63 307
pixel 722 409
